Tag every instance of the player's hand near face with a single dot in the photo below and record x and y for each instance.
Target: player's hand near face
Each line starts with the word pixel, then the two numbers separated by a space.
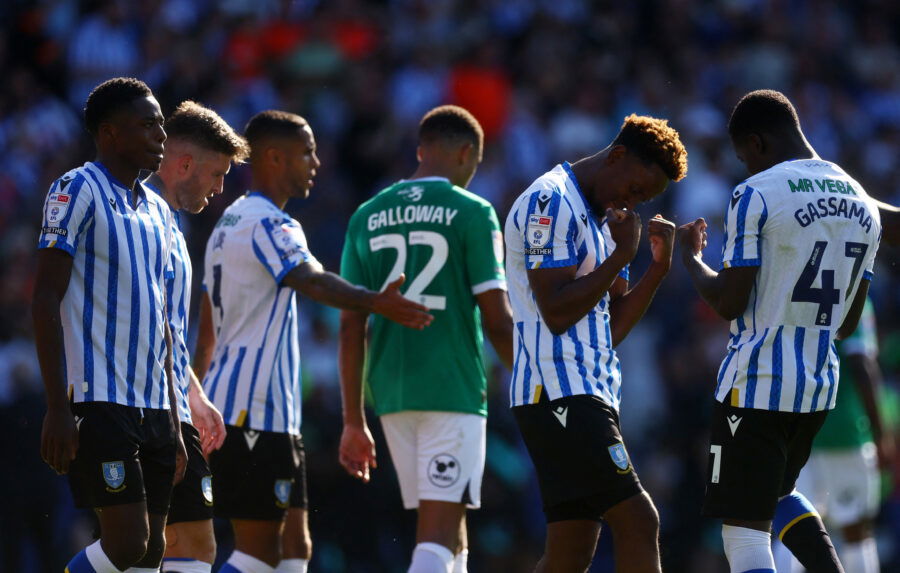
pixel 207 419
pixel 394 306
pixel 59 438
pixel 692 237
pixel 625 229
pixel 357 451
pixel 661 234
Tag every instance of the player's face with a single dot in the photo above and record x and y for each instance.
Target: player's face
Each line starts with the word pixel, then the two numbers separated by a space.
pixel 138 134
pixel 631 181
pixel 302 163
pixel 205 178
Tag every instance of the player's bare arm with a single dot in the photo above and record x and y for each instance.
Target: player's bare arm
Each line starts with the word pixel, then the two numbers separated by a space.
pixel 728 291
pixel 867 376
pixel 890 223
pixel 626 309
pixel 851 321
pixel 496 316
pixel 59 435
pixel 357 449
pixel 311 280
pixel 180 449
pixel 206 339
pixel 564 299
pixel 206 417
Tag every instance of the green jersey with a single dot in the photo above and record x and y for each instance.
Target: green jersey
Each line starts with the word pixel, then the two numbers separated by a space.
pixel 847 425
pixel 448 243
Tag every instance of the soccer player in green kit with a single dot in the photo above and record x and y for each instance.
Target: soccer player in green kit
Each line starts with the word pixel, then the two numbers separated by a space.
pixel 429 387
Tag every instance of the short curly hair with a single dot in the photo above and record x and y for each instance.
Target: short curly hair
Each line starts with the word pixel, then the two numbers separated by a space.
pixel 653 141
pixel 109 97
pixel 202 126
pixel 763 111
pixel 450 123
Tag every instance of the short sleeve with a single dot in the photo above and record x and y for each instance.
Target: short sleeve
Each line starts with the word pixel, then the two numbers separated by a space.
pixel 484 251
pixel 351 266
pixel 280 245
pixel 549 230
pixel 744 224
pixel 68 210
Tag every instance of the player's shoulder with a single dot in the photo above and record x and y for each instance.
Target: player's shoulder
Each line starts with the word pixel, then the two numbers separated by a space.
pixel 548 186
pixel 73 181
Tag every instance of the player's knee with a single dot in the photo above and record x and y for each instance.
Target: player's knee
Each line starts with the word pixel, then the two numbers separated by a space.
pixel 127 550
pixel 640 523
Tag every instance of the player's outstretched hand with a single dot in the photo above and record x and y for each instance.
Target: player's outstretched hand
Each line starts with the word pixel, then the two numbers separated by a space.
pixel 692 237
pixel 59 438
pixel 208 421
pixel 625 229
pixel 394 306
pixel 661 234
pixel 357 451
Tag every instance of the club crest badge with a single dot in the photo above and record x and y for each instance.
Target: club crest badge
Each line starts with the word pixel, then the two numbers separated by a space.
pixel 619 457
pixel 206 488
pixel 57 207
pixel 412 194
pixel 114 475
pixel 282 492
pixel 538 230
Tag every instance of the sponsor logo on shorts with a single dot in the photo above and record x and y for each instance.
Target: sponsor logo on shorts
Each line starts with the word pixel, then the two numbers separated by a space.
pixel 206 488
pixel 443 470
pixel 282 492
pixel 114 476
pixel 620 458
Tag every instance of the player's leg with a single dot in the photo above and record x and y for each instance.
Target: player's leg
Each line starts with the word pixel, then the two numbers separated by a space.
pixel 190 540
pixel 296 543
pixel 461 560
pixel 570 546
pixel 106 475
pixel 635 526
pixel 796 521
pixel 254 474
pixel 812 481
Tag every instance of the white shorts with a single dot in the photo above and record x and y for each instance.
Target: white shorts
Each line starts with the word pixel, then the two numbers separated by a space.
pixel 843 485
pixel 438 455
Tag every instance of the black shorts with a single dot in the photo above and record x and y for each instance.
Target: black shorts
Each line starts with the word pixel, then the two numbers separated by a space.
pixel 192 498
pixel 755 458
pixel 582 466
pixel 125 455
pixel 259 475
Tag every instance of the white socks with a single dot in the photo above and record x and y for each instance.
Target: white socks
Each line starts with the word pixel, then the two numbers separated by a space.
pixel 748 550
pixel 242 563
pixel 142 570
pixel 460 562
pixel 292 566
pixel 861 556
pixel 179 565
pixel 431 558
pixel 99 560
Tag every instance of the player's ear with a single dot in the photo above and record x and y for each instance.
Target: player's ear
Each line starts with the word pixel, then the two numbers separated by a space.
pixel 273 155
pixel 464 153
pixel 616 152
pixel 757 143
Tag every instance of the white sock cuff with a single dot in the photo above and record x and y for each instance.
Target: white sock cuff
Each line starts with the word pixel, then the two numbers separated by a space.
pixel 248 563
pixel 98 559
pixel 461 561
pixel 442 552
pixel 142 570
pixel 292 566
pixel 185 565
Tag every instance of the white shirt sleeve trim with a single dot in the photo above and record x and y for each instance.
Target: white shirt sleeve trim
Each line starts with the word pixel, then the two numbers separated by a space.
pixel 489 285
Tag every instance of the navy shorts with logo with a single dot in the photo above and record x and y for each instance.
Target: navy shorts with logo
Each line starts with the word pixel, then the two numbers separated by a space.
pixel 258 475
pixel 125 455
pixel 192 498
pixel 755 458
pixel 582 466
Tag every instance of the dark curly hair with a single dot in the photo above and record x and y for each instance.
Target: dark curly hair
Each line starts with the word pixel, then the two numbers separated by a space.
pixel 652 140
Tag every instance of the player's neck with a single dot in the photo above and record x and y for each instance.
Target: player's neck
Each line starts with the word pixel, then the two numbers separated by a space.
pixel 164 190
pixel 424 171
pixel 125 174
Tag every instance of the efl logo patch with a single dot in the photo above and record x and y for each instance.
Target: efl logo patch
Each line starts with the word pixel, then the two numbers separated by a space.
pixel 114 476
pixel 537 232
pixel 57 207
pixel 291 238
pixel 620 457
pixel 443 470
pixel 206 488
pixel 282 492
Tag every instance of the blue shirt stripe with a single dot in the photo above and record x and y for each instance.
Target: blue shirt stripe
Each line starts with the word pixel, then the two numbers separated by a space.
pixel 777 371
pixel 753 370
pixel 799 336
pixel 824 343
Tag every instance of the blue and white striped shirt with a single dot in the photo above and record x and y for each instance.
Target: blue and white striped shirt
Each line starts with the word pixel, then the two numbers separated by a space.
pixel 113 311
pixel 254 377
pixel 813 232
pixel 551 225
pixel 178 294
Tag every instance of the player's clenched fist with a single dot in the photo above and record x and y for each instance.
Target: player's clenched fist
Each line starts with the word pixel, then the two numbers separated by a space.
pixel 661 234
pixel 692 237
pixel 625 229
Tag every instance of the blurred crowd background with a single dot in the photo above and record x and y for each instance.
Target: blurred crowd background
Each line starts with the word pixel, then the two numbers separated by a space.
pixel 550 80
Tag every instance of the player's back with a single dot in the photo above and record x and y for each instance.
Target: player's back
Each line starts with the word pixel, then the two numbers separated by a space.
pixel 813 232
pixel 447 242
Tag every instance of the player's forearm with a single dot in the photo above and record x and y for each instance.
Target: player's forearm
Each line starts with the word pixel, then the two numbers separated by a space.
pixel 49 342
pixel 328 288
pixel 206 340
pixel 890 223
pixel 628 309
pixel 351 357
pixel 571 302
pixel 867 375
pixel 170 379
pixel 706 282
